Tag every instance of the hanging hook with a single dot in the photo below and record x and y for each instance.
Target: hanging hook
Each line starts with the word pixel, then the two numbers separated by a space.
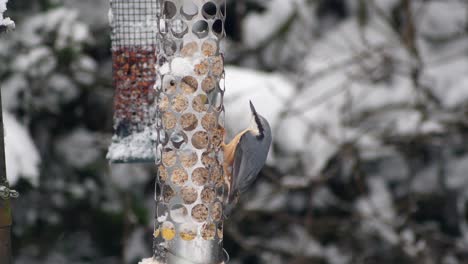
pixel 6 193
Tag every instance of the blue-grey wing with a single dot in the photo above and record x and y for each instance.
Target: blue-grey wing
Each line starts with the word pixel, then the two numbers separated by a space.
pixel 249 159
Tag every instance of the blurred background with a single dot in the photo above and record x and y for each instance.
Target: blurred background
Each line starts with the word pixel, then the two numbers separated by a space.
pixel 368 102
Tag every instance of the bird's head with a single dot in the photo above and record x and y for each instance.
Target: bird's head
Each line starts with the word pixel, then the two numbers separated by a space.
pixel 259 126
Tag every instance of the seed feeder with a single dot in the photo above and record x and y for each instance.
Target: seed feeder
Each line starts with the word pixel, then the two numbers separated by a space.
pixel 190 183
pixel 134 66
pixel 168 75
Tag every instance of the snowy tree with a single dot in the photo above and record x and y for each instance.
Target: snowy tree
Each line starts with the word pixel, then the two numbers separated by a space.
pixel 367 100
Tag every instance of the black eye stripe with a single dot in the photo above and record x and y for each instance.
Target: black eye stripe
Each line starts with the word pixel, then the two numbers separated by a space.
pixel 261 130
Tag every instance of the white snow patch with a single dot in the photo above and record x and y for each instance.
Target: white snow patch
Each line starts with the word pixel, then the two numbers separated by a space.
pixel 11 88
pixel 298 241
pixel 443 18
pixel 84 70
pixel 149 261
pixel 136 146
pixel 294 181
pixel 79 148
pixel 62 22
pixel 3 7
pixel 6 23
pixel 90 11
pixel 265 200
pixel 135 246
pixel 386 4
pixel 458 169
pixel 335 256
pixel 39 61
pixel 323 198
pixel 182 66
pixel 448 80
pixel 21 156
pixel 379 203
pixel 164 69
pixel 259 27
pixel 77 190
pixel 126 175
pixel 378 211
pixel 110 17
pixel 64 87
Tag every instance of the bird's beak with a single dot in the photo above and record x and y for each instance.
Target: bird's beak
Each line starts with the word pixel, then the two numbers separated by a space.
pixel 252 108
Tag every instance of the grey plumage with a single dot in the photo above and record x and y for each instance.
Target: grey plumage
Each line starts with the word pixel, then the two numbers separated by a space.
pixel 250 156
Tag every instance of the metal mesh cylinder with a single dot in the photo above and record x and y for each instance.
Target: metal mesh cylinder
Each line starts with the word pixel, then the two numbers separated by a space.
pixel 189 156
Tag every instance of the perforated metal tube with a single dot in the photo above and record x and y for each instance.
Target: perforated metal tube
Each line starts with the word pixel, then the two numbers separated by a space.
pixel 189 91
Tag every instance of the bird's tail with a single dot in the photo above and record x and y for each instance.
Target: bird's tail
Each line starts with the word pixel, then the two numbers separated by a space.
pixel 233 198
pixel 228 208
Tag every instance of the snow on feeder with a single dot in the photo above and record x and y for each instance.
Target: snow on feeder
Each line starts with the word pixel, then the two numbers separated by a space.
pixel 189 156
pixel 134 48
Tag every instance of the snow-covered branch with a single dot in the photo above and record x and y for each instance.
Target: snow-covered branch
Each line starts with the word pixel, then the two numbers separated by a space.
pixel 6 23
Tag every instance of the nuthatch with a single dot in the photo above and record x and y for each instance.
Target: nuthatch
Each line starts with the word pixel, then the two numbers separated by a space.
pixel 247 154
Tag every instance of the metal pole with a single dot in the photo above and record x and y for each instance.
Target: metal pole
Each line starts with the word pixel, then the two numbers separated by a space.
pixel 5 192
pixel 5 210
pixel 189 91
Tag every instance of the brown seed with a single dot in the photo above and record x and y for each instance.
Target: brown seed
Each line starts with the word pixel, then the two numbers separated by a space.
pixel 218 66
pixel 179 103
pixel 168 193
pixel 164 103
pixel 208 84
pixel 189 84
pixel 162 173
pixel 217 137
pixel 188 159
pixel 189 195
pixel 200 103
pixel 208 159
pixel 217 174
pixel 208 195
pixel 188 232
pixel 200 176
pixel 179 176
pixel 189 49
pixel 208 231
pixel 169 120
pixel 202 68
pixel 169 157
pixel 209 122
pixel 217 211
pixel 209 47
pixel 200 213
pixel 188 235
pixel 200 140
pixel 188 121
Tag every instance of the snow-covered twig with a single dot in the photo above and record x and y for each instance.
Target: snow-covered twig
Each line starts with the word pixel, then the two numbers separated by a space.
pixel 6 24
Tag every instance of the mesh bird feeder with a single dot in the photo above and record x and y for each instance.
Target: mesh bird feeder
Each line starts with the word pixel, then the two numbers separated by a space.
pixel 168 76
pixel 134 69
